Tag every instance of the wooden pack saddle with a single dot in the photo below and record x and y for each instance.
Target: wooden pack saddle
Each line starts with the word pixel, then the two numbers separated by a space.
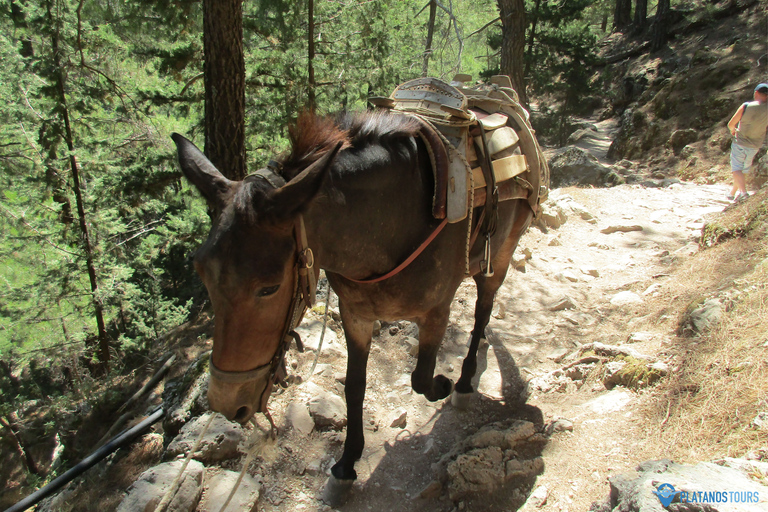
pixel 459 124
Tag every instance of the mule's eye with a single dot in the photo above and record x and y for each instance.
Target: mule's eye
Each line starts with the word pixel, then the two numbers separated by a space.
pixel 266 292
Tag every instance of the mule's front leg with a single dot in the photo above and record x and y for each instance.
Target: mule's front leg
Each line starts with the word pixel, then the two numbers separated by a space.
pixel 431 331
pixel 358 335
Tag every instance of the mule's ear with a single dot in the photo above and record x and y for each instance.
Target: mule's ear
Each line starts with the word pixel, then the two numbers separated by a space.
pixel 200 171
pixel 286 201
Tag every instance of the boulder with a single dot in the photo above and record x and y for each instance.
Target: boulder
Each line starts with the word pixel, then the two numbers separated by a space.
pixel 724 486
pixel 220 442
pixel 576 166
pixel 681 138
pixel 152 485
pixel 701 318
pixel 220 485
pixel 328 410
pixel 492 458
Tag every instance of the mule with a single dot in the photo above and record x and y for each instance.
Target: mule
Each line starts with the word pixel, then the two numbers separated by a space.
pixel 357 190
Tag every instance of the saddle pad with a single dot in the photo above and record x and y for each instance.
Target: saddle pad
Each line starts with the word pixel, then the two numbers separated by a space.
pixel 504 169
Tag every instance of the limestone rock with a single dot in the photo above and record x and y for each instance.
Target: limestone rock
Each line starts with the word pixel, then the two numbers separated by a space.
pixel 563 303
pixel 634 490
pixel 328 410
pixel 621 228
pixel 297 417
pixel 576 166
pixel 221 440
pixel 219 486
pixel 152 485
pixel 626 298
pixel 491 458
pixel 702 318
pixel 400 419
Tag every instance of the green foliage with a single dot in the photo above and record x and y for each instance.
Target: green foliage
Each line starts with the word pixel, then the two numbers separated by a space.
pixel 143 221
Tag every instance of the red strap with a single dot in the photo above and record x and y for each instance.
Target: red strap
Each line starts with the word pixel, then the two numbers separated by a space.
pixel 407 262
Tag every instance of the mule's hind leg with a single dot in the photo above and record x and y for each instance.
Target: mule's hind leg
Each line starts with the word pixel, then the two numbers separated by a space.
pixel 431 331
pixel 486 292
pixel 358 336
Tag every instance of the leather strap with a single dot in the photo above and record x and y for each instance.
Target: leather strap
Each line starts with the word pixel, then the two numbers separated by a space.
pixel 407 261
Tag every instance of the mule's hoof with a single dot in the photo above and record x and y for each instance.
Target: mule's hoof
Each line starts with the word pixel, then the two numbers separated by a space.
pixel 460 400
pixel 336 492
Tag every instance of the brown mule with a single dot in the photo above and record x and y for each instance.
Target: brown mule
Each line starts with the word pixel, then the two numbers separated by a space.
pixel 362 186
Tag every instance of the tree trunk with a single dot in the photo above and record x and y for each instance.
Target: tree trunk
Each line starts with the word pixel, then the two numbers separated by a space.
pixel 430 35
pixel 311 98
pixel 224 71
pixel 659 27
pixel 641 13
pixel 69 139
pixel 532 36
pixel 622 15
pixel 11 423
pixel 512 14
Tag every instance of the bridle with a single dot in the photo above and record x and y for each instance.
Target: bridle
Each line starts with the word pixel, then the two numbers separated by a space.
pixel 303 298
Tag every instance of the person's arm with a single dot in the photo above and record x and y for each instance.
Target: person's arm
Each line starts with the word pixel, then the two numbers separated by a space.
pixel 734 122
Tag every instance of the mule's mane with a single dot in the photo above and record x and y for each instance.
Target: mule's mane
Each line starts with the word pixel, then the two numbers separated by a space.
pixel 313 136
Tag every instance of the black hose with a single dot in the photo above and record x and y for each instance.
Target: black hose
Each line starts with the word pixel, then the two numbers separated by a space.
pixel 88 462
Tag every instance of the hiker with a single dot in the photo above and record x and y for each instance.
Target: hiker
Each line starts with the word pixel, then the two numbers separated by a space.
pixel 747 126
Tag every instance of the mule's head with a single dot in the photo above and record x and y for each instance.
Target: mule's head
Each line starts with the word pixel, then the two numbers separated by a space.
pixel 248 266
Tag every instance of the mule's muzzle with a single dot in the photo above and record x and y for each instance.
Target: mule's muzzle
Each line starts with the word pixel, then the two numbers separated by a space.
pixel 239 395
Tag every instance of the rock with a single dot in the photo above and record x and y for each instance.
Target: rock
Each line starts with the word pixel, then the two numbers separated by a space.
pixel 552 216
pixel 400 419
pixel 412 345
pixel 652 289
pixel 613 401
pixel 297 417
pixel 559 425
pixel 311 330
pixel 612 375
pixel 681 138
pixel 705 487
pixel 576 166
pixel 558 355
pixel 639 337
pixel 563 303
pixel 702 318
pixel 328 410
pixel 555 242
pixel 221 484
pixel 538 497
pixel 186 396
pixel 626 298
pixel 491 458
pixel 566 276
pixel 479 470
pixel 590 271
pixel 149 489
pixel 602 349
pixel 221 440
pixel 761 420
pixel 621 228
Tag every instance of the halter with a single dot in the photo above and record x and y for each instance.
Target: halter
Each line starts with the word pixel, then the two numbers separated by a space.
pixel 305 286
